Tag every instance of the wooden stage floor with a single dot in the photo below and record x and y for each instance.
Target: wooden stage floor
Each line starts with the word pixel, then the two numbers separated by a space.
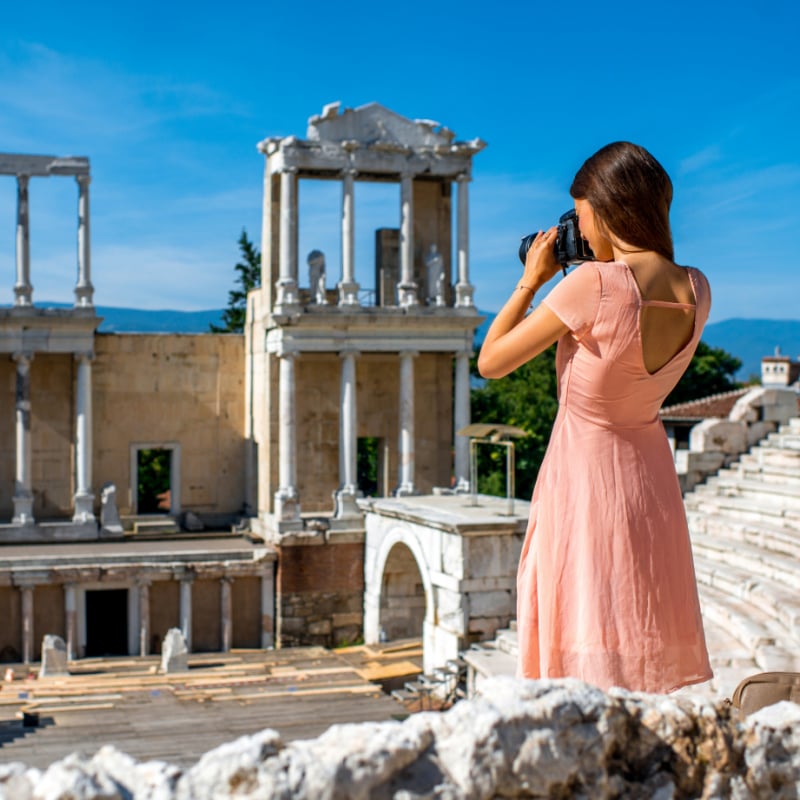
pixel 300 692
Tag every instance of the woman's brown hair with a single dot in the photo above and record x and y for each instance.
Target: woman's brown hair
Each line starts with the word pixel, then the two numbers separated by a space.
pixel 630 193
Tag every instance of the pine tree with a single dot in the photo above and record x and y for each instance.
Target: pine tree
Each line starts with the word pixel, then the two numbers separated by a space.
pixel 248 277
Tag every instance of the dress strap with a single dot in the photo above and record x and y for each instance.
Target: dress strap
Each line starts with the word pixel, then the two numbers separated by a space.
pixel 668 304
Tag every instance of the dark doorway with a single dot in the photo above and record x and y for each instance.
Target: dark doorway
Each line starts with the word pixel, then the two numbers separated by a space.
pixel 107 622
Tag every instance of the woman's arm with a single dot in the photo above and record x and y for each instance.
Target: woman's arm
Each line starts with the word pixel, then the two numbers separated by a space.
pixel 514 338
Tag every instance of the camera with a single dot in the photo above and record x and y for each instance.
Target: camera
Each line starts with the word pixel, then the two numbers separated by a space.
pixel 569 247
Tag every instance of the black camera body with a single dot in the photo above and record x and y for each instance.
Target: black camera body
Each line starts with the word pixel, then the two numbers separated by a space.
pixel 569 248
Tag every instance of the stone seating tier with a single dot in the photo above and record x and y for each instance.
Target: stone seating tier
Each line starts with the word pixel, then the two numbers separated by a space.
pixel 745 529
pixel 774 538
pixel 744 509
pixel 775 599
pixel 760 490
pixel 750 467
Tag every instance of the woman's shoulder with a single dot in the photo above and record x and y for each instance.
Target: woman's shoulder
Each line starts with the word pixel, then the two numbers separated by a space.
pixel 699 279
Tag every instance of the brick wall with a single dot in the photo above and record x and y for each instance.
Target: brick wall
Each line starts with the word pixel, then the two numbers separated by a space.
pixel 320 594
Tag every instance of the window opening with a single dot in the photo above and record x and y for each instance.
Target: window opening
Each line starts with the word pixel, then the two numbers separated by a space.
pixel 154 481
pixel 369 465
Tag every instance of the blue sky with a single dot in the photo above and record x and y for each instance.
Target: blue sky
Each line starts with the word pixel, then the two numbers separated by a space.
pixel 169 100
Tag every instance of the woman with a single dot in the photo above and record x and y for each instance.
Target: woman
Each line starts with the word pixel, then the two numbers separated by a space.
pixel 606 589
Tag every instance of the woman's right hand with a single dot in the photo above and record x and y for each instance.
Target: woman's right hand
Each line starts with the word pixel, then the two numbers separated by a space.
pixel 540 262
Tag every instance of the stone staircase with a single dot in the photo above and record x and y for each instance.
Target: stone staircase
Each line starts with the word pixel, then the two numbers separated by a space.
pixel 745 528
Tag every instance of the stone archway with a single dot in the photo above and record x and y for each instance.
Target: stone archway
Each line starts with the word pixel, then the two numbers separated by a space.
pixel 464 557
pixel 403 602
pixel 391 568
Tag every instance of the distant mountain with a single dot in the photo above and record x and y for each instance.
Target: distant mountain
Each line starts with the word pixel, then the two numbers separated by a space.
pixel 136 320
pixel 752 339
pixel 747 339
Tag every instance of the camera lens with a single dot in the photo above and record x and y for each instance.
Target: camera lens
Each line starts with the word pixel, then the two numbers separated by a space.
pixel 525 245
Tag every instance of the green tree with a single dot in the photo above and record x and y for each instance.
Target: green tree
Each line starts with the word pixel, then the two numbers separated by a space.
pixel 526 398
pixel 248 277
pixel 710 371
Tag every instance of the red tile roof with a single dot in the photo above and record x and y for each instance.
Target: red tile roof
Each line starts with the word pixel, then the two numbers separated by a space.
pixel 716 405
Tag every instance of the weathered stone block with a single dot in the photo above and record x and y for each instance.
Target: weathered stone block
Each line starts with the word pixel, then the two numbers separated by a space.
pixel 54 657
pixel 174 652
pixel 320 628
pixel 756 431
pixel 491 604
pixel 690 461
pixel 719 435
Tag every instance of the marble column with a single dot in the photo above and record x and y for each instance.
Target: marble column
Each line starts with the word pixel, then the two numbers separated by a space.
pixel 406 439
pixel 84 499
pixel 23 290
pixel 23 493
pixel 287 502
pixel 348 288
pixel 27 624
pixel 226 613
pixel 268 608
pixel 144 617
pixel 70 620
pixel 407 288
pixel 287 295
pixel 348 440
pixel 83 288
pixel 464 290
pixel 186 611
pixel 461 418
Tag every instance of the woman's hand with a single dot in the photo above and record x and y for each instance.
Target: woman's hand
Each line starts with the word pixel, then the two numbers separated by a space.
pixel 540 263
pixel 513 338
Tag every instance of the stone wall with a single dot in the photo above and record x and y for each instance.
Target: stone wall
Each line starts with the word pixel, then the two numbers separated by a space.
pixel 183 390
pixel 319 591
pixel 172 389
pixel 52 421
pixel 522 739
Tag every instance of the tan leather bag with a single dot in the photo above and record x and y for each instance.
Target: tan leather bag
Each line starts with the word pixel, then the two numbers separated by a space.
pixel 765 689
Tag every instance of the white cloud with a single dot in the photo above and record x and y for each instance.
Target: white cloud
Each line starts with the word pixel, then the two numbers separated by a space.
pixel 700 160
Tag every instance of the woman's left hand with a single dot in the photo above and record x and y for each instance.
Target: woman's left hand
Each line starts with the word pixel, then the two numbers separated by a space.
pixel 540 263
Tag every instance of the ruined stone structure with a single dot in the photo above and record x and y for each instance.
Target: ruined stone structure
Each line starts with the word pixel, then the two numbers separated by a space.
pixel 62 341
pixel 263 431
pixel 522 739
pixel 323 375
pixel 442 568
pixel 85 406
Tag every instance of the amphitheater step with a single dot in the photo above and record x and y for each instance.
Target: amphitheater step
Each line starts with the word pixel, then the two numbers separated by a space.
pixel 768 463
pixel 772 538
pixel 750 627
pixel 772 456
pixel 506 640
pixel 787 439
pixel 781 603
pixel 790 479
pixel 743 509
pixel 760 491
pixel 756 560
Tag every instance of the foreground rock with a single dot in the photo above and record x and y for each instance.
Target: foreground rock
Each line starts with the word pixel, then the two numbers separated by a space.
pixel 521 739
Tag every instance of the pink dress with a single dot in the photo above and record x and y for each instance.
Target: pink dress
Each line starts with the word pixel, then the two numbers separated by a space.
pixel 606 588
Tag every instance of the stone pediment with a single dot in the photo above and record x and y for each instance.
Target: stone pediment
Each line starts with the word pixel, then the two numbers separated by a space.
pixel 374 124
